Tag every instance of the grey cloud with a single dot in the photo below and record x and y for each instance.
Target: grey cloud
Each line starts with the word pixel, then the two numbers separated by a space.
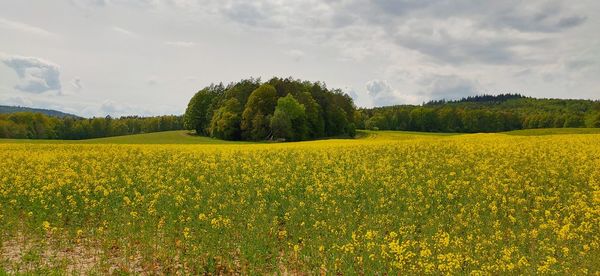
pixel 400 7
pixel 36 75
pixel 77 84
pixel 459 51
pixel 378 87
pixel 381 93
pixel 447 87
pixel 543 18
pixel 529 16
pixel 569 22
pixel 455 32
pixel 255 14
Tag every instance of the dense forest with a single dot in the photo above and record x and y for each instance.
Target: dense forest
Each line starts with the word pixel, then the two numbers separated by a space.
pixel 279 109
pixel 29 125
pixel 485 113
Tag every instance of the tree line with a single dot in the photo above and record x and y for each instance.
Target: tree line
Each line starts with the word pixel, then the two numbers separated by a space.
pixel 29 125
pixel 278 109
pixel 294 110
pixel 485 113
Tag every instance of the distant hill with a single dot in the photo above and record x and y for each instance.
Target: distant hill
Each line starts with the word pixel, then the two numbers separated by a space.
pixel 54 113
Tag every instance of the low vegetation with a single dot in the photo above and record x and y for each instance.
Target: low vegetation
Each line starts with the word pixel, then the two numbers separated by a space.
pixel 388 203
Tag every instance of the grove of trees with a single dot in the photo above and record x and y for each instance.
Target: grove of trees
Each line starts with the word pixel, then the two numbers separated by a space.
pixel 29 125
pixel 279 109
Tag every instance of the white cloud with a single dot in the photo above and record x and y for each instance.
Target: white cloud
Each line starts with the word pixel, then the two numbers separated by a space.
pixel 123 31
pixel 17 101
pixel 352 93
pixel 36 75
pixel 112 108
pixel 184 44
pixel 22 27
pixel 295 54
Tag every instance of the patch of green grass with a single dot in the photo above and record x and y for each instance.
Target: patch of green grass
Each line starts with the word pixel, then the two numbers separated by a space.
pixel 552 131
pixel 165 137
pixel 398 135
pixel 186 137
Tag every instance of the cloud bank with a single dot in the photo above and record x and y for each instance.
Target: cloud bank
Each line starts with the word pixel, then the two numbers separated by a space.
pixel 143 52
pixel 36 75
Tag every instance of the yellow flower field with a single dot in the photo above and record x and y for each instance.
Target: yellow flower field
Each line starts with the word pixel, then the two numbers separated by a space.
pixel 469 204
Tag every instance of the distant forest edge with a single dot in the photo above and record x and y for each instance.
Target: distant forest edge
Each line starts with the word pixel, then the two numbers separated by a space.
pixel 30 125
pixel 484 113
pixel 295 110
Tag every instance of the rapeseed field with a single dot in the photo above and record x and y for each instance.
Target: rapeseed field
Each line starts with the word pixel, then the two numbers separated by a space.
pixel 470 204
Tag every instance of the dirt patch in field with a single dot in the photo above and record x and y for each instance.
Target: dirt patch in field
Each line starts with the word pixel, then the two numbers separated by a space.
pixel 21 255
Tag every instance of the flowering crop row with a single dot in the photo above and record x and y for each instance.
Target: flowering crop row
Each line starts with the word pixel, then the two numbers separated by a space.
pixel 480 204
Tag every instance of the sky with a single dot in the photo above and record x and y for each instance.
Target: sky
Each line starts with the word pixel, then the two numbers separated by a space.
pixel 148 57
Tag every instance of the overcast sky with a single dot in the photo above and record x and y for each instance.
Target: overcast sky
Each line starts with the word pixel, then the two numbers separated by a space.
pixel 148 57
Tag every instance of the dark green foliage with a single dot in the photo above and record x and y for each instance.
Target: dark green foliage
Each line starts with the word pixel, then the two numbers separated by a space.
pixel 199 111
pixel 241 90
pixel 324 112
pixel 289 120
pixel 257 113
pixel 595 122
pixel 574 121
pixel 225 123
pixel 482 114
pixel 27 125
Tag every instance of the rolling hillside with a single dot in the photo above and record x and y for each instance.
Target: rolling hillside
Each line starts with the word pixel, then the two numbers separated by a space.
pixel 54 113
pixel 164 137
pixel 185 137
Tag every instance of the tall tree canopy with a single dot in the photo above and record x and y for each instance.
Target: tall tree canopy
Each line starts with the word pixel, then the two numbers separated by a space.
pixel 225 123
pixel 199 111
pixel 289 119
pixel 277 109
pixel 257 113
